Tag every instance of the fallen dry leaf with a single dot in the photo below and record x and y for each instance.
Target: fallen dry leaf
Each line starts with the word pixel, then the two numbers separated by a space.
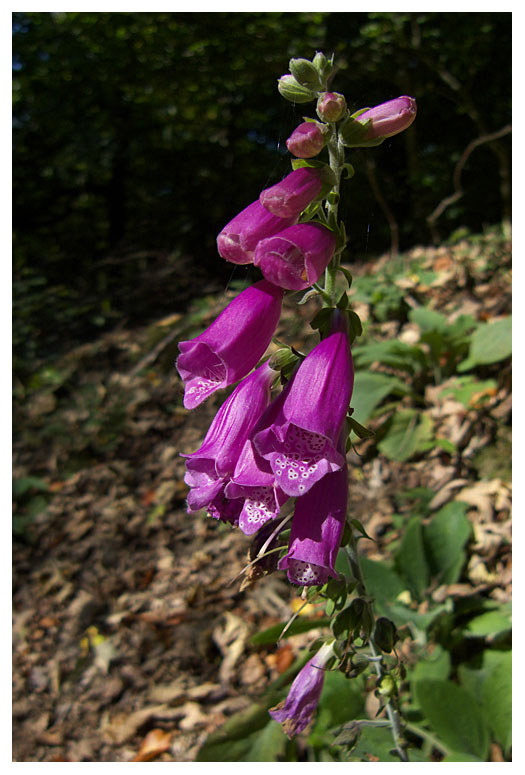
pixel 157 741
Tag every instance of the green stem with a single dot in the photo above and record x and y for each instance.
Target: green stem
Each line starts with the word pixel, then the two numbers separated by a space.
pixel 336 157
pixel 391 708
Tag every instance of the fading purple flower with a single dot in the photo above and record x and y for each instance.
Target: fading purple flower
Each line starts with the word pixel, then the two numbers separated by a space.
pixel 237 241
pixel 389 118
pixel 254 482
pixel 299 440
pixel 296 258
pixel 317 528
pixel 306 140
pixel 209 468
pixel 228 349
pixel 293 194
pixel 296 712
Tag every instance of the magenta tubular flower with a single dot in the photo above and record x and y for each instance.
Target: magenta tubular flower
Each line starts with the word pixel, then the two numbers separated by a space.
pixel 299 440
pixel 306 140
pixel 296 712
pixel 228 349
pixel 389 118
pixel 292 194
pixel 317 528
pixel 209 468
pixel 254 482
pixel 237 241
pixel 297 257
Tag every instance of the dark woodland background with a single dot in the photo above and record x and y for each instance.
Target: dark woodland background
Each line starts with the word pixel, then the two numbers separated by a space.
pixel 138 136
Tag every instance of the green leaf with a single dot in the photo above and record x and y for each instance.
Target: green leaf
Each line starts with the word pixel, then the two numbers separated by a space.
pixel 408 432
pixel 249 736
pixel 496 697
pixel 410 560
pixel 435 666
pixel 490 343
pixel 374 744
pixel 470 391
pixel 454 716
pixel 382 583
pixel 370 388
pixel 445 538
pixel 272 634
pixel 395 353
pixel 428 319
pixel 454 756
pixel 489 623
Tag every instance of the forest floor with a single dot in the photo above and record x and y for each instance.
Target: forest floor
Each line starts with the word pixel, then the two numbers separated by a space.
pixel 131 632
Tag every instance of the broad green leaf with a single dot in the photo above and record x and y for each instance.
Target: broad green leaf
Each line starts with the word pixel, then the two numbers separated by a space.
pixel 251 735
pixel 395 353
pixel 454 756
pixel 489 623
pixel 434 666
pixel 374 744
pixel 496 699
pixel 490 682
pixel 490 343
pixel 410 560
pixel 470 391
pixel 370 388
pixel 428 319
pixel 408 433
pixel 383 583
pixel 454 716
pixel 445 537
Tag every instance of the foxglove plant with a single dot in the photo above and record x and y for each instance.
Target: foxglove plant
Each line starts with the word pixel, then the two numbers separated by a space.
pixel 261 455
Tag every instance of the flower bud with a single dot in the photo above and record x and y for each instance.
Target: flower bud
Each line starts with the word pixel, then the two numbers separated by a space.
pixel 306 141
pixel 305 73
pixel 389 118
pixel 288 198
pixel 331 106
pixel 292 90
pixel 297 257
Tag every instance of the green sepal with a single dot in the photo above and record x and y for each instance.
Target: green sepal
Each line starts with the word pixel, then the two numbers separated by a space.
pixel 359 527
pixel 346 272
pixel 360 430
pixel 292 90
pixel 305 73
pixel 352 133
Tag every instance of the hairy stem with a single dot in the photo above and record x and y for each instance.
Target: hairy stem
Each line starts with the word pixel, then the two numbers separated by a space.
pixel 391 707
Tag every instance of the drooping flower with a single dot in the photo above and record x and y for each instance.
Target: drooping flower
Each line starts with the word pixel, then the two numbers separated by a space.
pixel 300 439
pixel 254 482
pixel 331 106
pixel 237 241
pixel 228 349
pixel 306 141
pixel 389 118
pixel 296 712
pixel 297 257
pixel 317 528
pixel 209 469
pixel 289 197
